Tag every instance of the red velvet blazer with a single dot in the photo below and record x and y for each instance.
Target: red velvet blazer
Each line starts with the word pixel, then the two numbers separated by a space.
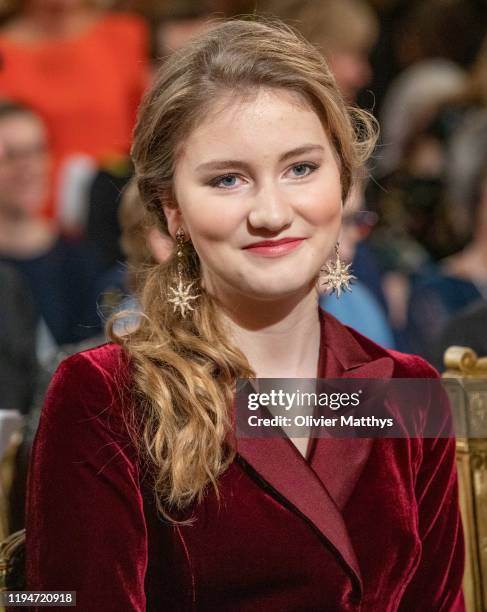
pixel 361 524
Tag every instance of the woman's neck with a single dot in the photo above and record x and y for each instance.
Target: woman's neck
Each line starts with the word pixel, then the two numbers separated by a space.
pixel 280 339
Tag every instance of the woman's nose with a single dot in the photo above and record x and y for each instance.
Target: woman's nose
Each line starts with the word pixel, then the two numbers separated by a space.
pixel 271 209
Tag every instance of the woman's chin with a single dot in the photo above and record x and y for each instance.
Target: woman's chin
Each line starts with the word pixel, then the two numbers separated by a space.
pixel 275 290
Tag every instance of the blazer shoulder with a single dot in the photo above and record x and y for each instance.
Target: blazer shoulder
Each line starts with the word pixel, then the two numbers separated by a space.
pixel 412 366
pixel 406 365
pixel 92 380
pixel 108 360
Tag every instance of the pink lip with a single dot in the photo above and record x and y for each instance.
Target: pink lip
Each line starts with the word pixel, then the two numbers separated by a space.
pixel 274 248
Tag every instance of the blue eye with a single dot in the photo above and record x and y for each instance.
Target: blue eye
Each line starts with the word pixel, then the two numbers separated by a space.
pixel 226 182
pixel 302 170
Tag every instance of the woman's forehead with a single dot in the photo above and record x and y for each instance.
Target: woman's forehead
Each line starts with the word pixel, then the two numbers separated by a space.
pixel 252 100
pixel 269 119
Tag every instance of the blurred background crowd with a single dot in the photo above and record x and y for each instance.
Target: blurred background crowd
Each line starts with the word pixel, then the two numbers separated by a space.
pixel 72 230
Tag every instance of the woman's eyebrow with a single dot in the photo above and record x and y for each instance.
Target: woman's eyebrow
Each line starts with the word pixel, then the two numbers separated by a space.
pixel 307 148
pixel 223 164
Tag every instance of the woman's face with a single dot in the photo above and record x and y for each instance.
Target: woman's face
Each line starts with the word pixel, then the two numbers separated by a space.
pixel 257 189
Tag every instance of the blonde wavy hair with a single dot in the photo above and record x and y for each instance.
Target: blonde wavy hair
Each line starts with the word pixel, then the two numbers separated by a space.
pixel 185 369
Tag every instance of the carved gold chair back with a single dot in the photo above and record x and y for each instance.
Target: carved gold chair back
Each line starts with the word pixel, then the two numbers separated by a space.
pixel 470 371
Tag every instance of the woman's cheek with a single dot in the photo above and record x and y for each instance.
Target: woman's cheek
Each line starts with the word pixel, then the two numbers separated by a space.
pixel 214 230
pixel 218 222
pixel 323 212
pixel 322 202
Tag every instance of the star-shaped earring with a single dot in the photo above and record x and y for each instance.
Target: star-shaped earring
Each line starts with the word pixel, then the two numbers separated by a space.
pixel 181 294
pixel 181 297
pixel 336 276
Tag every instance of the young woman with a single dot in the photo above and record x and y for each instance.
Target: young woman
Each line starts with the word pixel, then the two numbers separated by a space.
pixel 141 495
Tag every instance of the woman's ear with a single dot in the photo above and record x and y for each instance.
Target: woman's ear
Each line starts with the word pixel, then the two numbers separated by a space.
pixel 160 245
pixel 173 215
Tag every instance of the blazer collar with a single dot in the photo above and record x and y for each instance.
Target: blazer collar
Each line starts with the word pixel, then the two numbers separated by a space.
pixel 319 488
pixel 351 359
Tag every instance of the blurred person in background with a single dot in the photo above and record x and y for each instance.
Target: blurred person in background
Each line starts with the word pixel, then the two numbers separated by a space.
pixel 58 271
pixel 428 144
pixel 83 70
pixel 434 44
pixel 459 281
pixel 458 122
pixel 18 364
pixel 142 242
pixel 343 30
pixel 467 328
pixel 142 245
pixel 19 375
pixel 432 167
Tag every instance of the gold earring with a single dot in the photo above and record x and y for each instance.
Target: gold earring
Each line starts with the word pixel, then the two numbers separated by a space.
pixel 336 276
pixel 181 293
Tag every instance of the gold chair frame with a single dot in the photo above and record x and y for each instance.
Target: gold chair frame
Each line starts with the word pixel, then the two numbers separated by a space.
pixel 465 366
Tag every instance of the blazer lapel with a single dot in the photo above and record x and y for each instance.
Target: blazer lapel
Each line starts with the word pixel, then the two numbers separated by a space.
pixel 318 490
pixel 338 462
pixel 284 471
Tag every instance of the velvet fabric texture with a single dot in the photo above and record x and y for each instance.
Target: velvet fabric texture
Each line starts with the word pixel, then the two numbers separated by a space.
pixel 359 524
